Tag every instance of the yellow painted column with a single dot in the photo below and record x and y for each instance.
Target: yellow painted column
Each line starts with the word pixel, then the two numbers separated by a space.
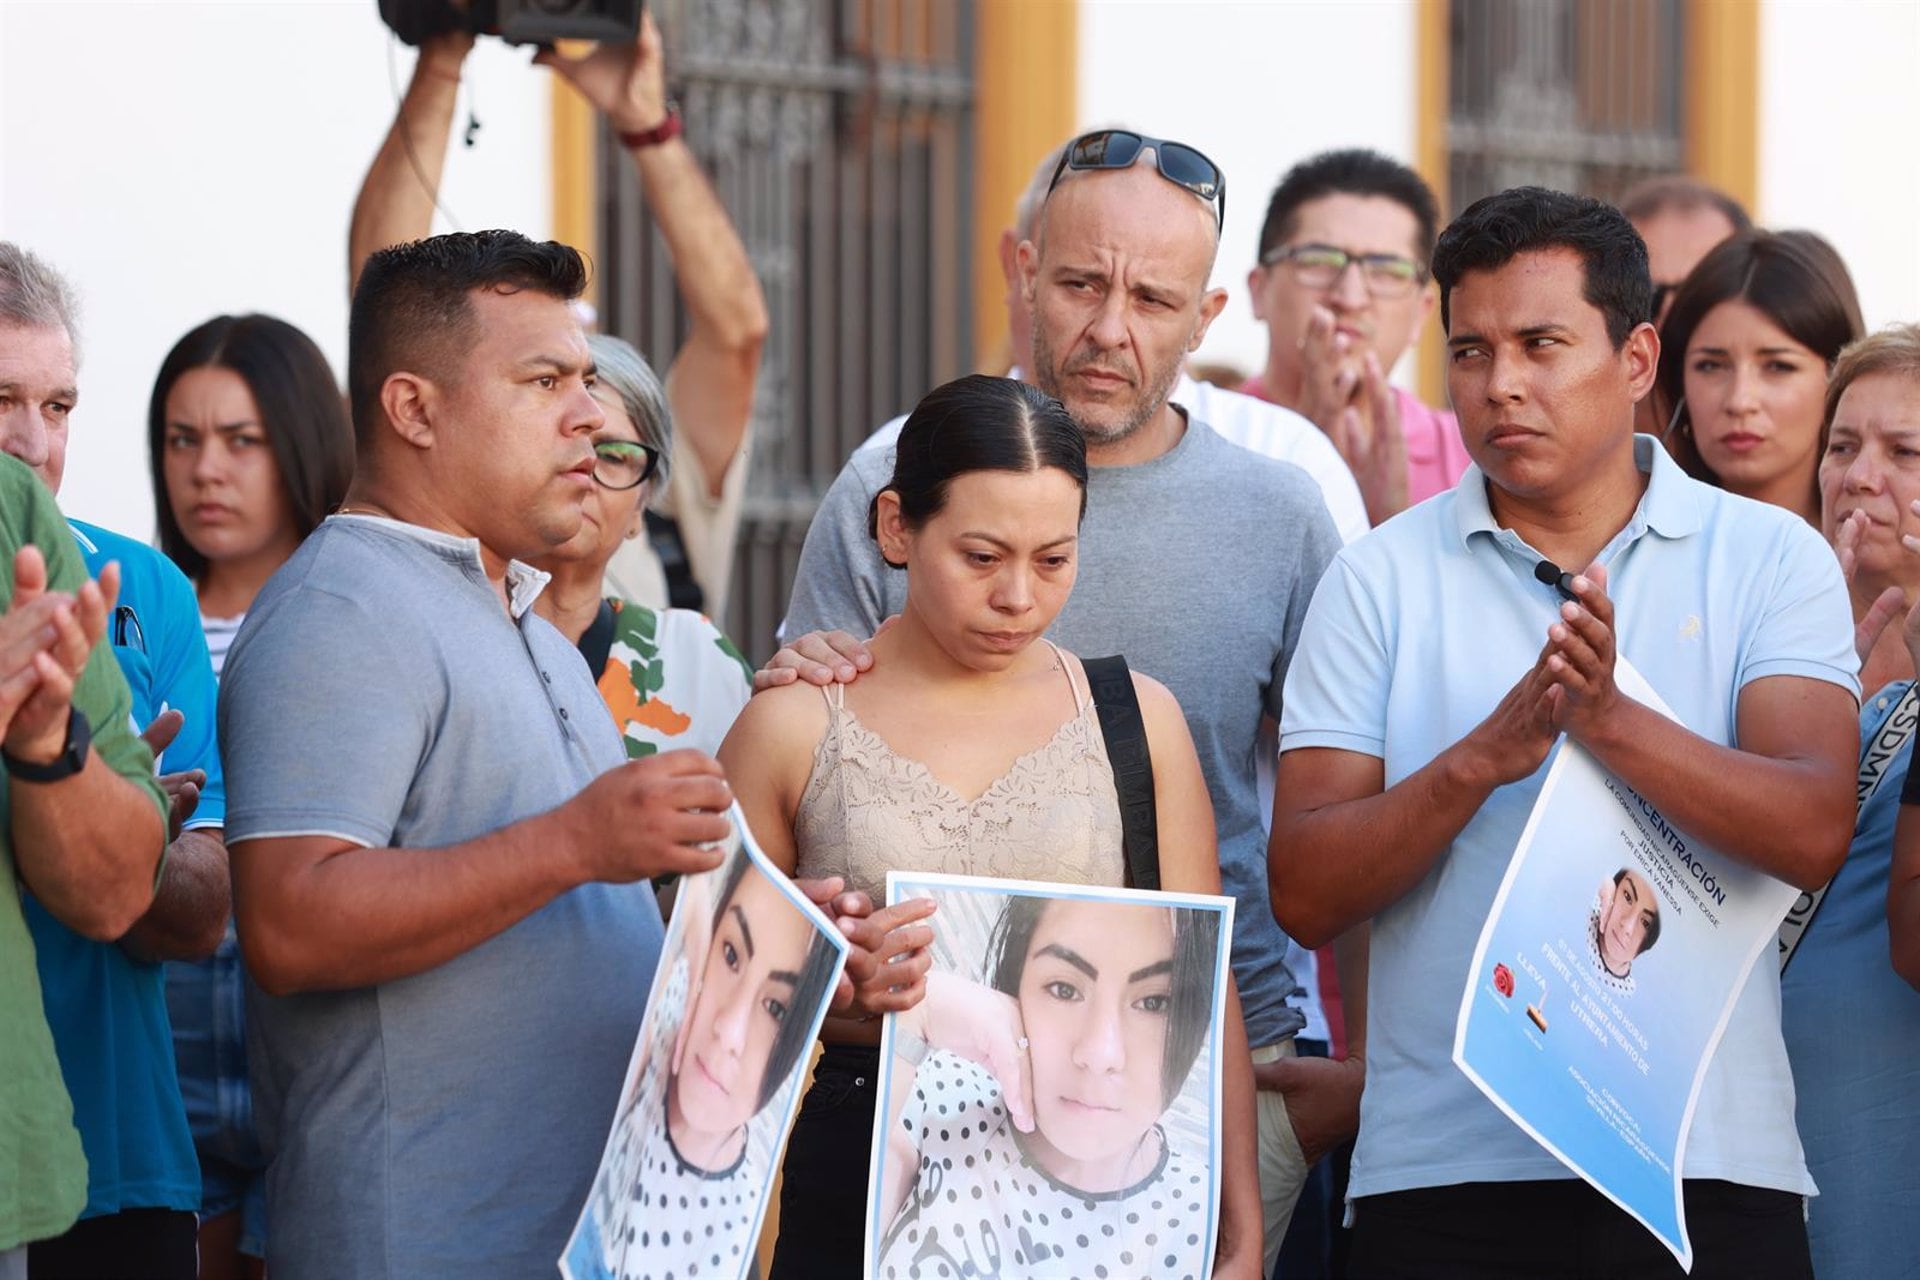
pixel 572 165
pixel 1723 96
pixel 1026 84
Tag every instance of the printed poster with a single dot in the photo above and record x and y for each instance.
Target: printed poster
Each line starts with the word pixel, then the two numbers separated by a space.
pixel 745 976
pixel 1604 978
pixel 1051 1108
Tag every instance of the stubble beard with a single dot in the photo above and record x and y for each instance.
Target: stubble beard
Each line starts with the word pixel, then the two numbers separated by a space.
pixel 1099 434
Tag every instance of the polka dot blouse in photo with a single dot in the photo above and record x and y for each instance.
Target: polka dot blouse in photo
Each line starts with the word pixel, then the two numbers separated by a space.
pixel 979 1208
pixel 658 1217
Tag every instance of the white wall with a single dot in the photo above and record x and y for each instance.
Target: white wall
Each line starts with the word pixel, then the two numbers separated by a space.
pixel 1840 93
pixel 1257 85
pixel 180 160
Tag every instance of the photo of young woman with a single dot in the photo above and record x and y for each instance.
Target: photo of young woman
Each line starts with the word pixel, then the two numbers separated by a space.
pixel 1054 1116
pixel 1623 922
pixel 746 975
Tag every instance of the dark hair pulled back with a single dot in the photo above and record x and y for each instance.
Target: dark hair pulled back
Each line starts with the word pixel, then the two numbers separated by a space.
pixel 978 423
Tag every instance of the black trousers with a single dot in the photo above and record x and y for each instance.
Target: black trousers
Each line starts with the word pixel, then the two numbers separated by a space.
pixel 134 1244
pixel 1565 1230
pixel 823 1189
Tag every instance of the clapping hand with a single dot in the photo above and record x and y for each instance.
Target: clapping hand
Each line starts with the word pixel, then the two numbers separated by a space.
pixel 60 630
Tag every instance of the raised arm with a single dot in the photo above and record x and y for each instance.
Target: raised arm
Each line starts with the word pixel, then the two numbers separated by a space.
pixel 711 381
pixel 396 199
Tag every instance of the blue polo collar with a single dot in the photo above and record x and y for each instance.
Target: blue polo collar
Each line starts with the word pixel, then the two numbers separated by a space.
pixel 1670 507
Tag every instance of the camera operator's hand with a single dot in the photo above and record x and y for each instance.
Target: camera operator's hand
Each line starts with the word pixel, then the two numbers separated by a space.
pixel 625 83
pixel 444 54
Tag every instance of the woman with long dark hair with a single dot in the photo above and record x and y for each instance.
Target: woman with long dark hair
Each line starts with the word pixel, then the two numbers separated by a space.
pixel 250 448
pixel 1744 355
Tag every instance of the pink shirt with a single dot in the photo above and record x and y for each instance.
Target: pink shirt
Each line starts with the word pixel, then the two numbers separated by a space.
pixel 1436 458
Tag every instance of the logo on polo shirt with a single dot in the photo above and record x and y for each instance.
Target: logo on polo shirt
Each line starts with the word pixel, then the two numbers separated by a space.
pixel 1691 628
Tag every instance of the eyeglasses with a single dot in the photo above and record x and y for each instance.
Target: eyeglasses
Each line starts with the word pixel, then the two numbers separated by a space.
pixel 1320 266
pixel 1177 162
pixel 624 464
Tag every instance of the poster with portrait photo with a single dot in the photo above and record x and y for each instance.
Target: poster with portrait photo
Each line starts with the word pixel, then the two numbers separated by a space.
pixel 1051 1107
pixel 746 972
pixel 1604 978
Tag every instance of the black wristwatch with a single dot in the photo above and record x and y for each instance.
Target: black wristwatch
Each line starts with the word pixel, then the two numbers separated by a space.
pixel 71 760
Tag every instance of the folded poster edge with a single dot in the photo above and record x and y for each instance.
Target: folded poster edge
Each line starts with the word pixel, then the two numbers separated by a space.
pixel 750 849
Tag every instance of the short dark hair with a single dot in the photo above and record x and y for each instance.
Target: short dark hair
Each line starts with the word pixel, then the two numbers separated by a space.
pixel 1680 193
pixel 978 423
pixel 1352 171
pixel 1497 229
pixel 1796 278
pixel 301 412
pixel 1196 954
pixel 1653 925
pixel 413 304
pixel 796 1029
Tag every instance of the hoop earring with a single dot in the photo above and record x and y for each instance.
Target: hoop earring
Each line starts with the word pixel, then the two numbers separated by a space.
pixel 1674 424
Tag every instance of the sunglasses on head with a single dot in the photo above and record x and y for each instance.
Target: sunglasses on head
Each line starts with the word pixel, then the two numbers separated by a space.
pixel 1177 162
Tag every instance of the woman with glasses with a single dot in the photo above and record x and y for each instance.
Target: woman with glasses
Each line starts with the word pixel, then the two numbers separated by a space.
pixel 250 449
pixel 1744 354
pixel 669 677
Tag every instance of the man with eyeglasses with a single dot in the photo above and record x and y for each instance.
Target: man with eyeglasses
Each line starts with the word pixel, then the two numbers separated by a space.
pixel 1197 561
pixel 1342 284
pixel 440 850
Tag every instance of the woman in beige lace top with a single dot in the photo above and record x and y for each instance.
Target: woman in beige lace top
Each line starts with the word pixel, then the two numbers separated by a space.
pixel 972 747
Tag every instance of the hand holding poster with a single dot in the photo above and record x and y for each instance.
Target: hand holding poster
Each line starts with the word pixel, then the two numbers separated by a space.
pixel 1051 1107
pixel 1604 978
pixel 745 976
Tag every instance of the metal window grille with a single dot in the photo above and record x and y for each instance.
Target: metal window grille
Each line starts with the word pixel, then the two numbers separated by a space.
pixel 1578 95
pixel 839 136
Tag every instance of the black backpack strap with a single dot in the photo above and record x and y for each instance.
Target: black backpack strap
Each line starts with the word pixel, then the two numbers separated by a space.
pixel 683 590
pixel 1126 733
pixel 596 642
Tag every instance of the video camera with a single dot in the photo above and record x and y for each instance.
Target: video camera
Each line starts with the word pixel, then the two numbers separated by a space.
pixel 515 21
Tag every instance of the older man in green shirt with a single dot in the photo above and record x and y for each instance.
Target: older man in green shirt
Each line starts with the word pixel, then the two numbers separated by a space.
pixel 82 827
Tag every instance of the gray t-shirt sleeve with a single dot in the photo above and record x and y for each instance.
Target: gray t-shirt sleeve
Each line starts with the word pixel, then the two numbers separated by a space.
pixel 321 729
pixel 1320 542
pixel 840 581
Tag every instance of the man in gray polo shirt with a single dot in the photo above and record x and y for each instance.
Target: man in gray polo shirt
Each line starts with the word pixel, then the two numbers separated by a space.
pixel 440 853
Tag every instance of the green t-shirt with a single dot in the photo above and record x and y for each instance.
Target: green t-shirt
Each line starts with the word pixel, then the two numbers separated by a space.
pixel 43 1175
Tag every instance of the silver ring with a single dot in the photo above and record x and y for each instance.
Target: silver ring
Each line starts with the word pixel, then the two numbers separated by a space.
pixel 1021 1044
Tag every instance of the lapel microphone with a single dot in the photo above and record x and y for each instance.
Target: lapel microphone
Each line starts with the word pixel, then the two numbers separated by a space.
pixel 1557 578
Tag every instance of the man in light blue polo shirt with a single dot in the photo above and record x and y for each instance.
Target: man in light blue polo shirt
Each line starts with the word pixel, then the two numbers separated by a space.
pixel 1434 675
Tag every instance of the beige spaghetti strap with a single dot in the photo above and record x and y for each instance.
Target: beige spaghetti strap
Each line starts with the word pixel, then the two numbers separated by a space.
pixel 1066 669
